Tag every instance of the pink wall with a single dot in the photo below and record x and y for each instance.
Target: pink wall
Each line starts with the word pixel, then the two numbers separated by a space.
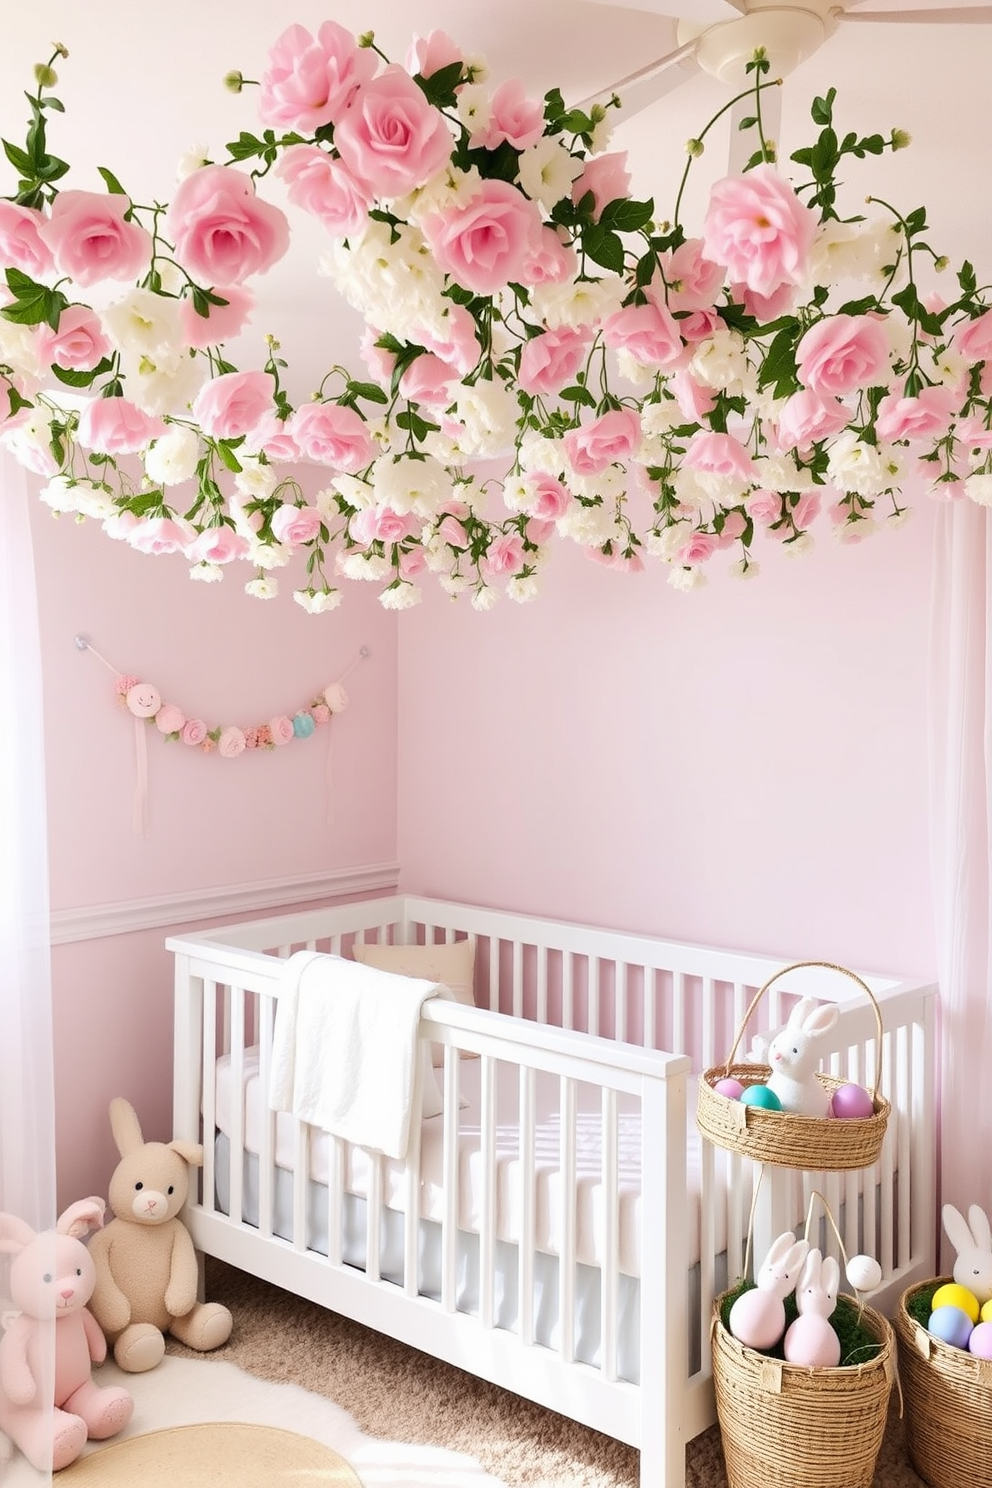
pixel 212 823
pixel 743 766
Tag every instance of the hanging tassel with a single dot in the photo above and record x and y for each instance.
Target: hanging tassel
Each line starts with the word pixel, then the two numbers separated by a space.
pixel 143 702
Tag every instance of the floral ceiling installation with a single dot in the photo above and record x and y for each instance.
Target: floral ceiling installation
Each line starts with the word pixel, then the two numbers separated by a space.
pixel 547 356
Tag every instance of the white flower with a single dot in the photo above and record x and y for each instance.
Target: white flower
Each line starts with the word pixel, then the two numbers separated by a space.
pixel 168 385
pixel 357 493
pixel 577 303
pixel 602 131
pixel 687 579
pixel 451 187
pixel 779 473
pixel 669 541
pixel 745 568
pixel 547 169
pixel 589 526
pixel 401 596
pixel 853 466
pixel 484 598
pixel 488 413
pixel 94 500
pixel 634 372
pixel 30 442
pixel 269 555
pixel 609 485
pixel 721 361
pixel 408 483
pixel 849 533
pixel 848 250
pixel 474 107
pixel 392 282
pixel 537 453
pixel 979 489
pixel 18 351
pixel 173 457
pixel 800 545
pixel 210 573
pixel 262 588
pixel 191 160
pixel 363 565
pixel 318 602
pixel 523 589
pixel 255 479
pixel 142 323
pixel 454 584
pixel 59 494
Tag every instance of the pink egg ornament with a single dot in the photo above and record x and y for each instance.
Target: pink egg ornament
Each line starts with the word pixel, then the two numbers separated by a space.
pixel 731 1088
pixel 980 1341
pixel 852 1103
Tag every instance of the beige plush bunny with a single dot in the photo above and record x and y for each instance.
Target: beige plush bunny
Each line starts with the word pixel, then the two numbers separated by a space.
pixel 146 1271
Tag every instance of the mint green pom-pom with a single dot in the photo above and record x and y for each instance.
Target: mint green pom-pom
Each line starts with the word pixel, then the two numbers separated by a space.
pixel 303 725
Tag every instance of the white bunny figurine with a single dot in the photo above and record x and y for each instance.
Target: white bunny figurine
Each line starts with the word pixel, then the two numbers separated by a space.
pixel 793 1057
pixel 811 1340
pixel 972 1239
pixel 757 1318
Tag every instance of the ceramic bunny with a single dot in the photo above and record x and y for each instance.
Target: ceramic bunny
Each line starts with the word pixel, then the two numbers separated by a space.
pixel 972 1239
pixel 811 1340
pixel 757 1318
pixel 793 1056
pixel 49 1404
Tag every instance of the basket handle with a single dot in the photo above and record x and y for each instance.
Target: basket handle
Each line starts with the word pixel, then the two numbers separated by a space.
pixel 828 966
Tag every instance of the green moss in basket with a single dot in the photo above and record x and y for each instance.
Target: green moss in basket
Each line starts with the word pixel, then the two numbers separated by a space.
pixel 920 1304
pixel 857 1346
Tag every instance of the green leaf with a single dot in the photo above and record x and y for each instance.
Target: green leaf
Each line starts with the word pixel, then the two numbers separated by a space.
pixel 749 122
pixel 439 88
pixel 16 401
pixel 578 395
pixel 228 456
pixel 245 146
pixel 21 161
pixel 603 247
pixel 779 366
pixel 370 391
pixel 966 278
pixel 418 427
pixel 554 106
pixel 72 378
pixel 33 303
pixel 822 111
pixel 825 155
pixel 111 182
pixel 51 169
pixel 623 215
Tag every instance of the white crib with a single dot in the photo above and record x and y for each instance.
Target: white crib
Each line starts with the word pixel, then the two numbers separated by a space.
pixel 570 1251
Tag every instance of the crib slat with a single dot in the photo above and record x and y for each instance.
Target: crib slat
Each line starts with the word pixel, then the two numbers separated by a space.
pixel 678 1012
pixel 265 1021
pixel 487 1198
pixel 373 1218
pixel 209 1089
pixel 652 994
pixel 494 974
pixel 449 1163
pixel 411 1212
pixel 593 992
pixel 620 1004
pixel 301 1175
pixel 566 1258
pixel 903 1101
pixel 567 991
pixel 528 1209
pixel 517 984
pixel 543 956
pixel 335 1189
pixel 709 1050
pixel 609 1272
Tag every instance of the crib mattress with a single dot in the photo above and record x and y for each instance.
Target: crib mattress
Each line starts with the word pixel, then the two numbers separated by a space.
pixel 590 1207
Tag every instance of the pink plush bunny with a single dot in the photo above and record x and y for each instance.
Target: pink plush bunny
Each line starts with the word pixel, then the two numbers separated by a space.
pixel 51 1280
pixel 811 1340
pixel 793 1056
pixel 757 1318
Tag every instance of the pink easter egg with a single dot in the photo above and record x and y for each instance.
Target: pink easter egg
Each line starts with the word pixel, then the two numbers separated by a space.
pixel 852 1102
pixel 731 1088
pixel 980 1341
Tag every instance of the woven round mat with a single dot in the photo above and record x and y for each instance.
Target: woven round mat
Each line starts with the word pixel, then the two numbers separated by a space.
pixel 222 1454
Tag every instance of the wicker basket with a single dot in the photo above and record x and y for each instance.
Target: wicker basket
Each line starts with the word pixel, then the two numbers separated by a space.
pixel 787 1426
pixel 812 1143
pixel 948 1394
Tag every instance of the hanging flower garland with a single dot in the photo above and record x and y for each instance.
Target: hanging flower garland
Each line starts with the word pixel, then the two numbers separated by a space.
pixel 650 392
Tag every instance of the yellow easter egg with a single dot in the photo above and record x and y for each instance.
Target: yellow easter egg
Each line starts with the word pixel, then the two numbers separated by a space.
pixel 952 1295
pixel 986 1313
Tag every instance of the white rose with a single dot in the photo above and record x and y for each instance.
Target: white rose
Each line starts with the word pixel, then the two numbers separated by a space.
pixel 720 361
pixel 94 500
pixel 60 494
pixel 537 453
pixel 144 324
pixel 979 488
pixel 577 303
pixel 173 457
pixel 269 555
pixel 167 385
pixel 687 579
pixel 262 588
pixel 847 250
pixel 853 466
pixel 207 573
pixel 319 602
pixel 669 541
pixel 255 480
pixel 401 596
pixel 411 484
pixel 488 413
pixel 484 598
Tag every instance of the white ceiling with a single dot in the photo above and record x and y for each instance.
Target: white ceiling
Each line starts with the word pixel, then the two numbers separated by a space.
pixel 144 84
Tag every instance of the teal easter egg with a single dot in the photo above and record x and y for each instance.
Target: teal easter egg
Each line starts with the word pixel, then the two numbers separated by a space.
pixel 950 1325
pixel 762 1097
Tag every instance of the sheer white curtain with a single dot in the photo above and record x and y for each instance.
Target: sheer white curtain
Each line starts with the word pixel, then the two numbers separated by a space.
pixel 961 822
pixel 27 1102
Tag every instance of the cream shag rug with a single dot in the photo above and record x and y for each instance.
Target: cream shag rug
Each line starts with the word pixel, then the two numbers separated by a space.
pixel 209 1457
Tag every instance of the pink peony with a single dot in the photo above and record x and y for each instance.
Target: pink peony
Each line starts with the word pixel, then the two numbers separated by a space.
pixel 221 231
pixel 169 719
pixel 807 417
pixel 757 228
pixel 612 437
pixel 280 729
pixel 296 524
pixel 505 556
pixel 607 177
pixel 113 426
pixel 157 536
pixel 323 186
pixel 428 54
pixel 331 435
pixel 194 731
pixel 221 322
pixel 21 243
pixel 78 344
pixel 550 360
pixel 90 240
pixel 486 243
pixel 310 81
pixel 231 742
pixel 390 137
pixel 842 353
pixel 217 545
pixel 927 416
pixel 718 454
pixel 973 338
pixel 234 403
pixel 513 119
pixel 698 547
pixel 649 333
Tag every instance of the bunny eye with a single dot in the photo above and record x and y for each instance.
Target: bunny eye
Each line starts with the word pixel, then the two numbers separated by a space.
pixel 79 1270
pixel 795 1049
pixel 138 1187
pixel 171 1188
pixel 47 1278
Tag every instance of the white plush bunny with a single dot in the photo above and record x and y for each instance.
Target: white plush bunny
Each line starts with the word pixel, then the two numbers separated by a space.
pixel 972 1239
pixel 757 1318
pixel 811 1340
pixel 793 1056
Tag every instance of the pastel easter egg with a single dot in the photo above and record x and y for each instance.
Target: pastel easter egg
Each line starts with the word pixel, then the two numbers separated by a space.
pixel 951 1325
pixel 953 1295
pixel 980 1341
pixel 731 1088
pixel 852 1102
pixel 864 1273
pixel 762 1097
pixel 986 1312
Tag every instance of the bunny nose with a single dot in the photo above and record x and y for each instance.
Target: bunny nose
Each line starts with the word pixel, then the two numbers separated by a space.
pixel 66 1293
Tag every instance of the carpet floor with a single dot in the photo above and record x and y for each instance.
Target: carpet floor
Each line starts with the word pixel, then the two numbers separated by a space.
pixel 397 1393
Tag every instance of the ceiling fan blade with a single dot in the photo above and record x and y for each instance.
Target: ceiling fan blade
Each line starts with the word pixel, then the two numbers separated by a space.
pixel 955 15
pixel 639 89
pixel 698 12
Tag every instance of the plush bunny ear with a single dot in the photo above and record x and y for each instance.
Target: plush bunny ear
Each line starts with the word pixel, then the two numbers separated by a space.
pixel 190 1152
pixel 15 1233
pixel 124 1125
pixel 956 1229
pixel 979 1222
pixel 820 1020
pixel 81 1217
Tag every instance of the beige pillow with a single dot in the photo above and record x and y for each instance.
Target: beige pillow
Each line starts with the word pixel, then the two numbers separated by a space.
pixel 453 965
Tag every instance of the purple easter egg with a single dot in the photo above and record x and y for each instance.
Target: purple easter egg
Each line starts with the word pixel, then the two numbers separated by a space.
pixel 731 1088
pixel 980 1341
pixel 852 1102
pixel 951 1325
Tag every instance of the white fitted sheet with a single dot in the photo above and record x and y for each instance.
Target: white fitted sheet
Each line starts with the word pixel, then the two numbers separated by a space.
pixel 590 1209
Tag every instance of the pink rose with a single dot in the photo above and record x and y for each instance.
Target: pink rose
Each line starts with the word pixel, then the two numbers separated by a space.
pixel 649 333
pixel 231 742
pixel 607 177
pixel 698 547
pixel 158 536
pixel 807 417
pixel 698 325
pixel 513 119
pixel 764 307
pixel 310 81
pixel 412 562
pixel 973 338
pixel 734 526
pixel 90 240
pixel 79 343
pixel 296 524
pixel 551 359
pixel 694 398
pixel 21 243
pixel 607 439
pixel 690 280
pixel 194 731
pixel 169 719
pixel 719 454
pixel 324 187
pixel 451 531
pixel 113 426
pixel 429 54
pixel 927 416
pixel 331 435
pixel 806 509
pixel 485 243
pixel 505 556
pixel 377 359
pixel 548 499
pixel 271 437
pixel 390 137
pixel 221 231
pixel 280 729
pixel 217 545
pixel 221 322
pixel 537 531
pixel 973 433
pixel 842 353
pixel 428 380
pixel 549 261
pixel 458 344
pixel 382 525
pixel 234 403
pixel 759 230
pixel 335 697
pixel 765 507
pixel 320 713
